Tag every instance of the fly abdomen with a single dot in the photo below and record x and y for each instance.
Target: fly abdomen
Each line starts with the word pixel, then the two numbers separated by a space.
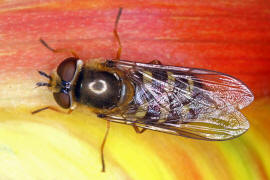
pixel 185 98
pixel 163 96
pixel 148 97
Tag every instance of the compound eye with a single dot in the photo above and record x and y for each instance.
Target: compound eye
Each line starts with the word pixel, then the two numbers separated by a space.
pixel 62 99
pixel 67 68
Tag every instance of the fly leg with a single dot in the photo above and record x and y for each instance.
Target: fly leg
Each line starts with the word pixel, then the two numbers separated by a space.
pixel 58 50
pixel 103 142
pixel 115 32
pixel 139 131
pixel 52 108
pixel 103 145
pixel 110 63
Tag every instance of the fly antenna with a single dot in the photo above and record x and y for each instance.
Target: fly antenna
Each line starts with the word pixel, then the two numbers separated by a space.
pixel 42 84
pixel 45 75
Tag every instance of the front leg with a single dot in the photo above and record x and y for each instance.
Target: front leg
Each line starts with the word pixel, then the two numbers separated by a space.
pixel 58 50
pixel 53 109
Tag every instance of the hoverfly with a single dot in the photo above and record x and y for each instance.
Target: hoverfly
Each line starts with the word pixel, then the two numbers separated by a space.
pixel 194 103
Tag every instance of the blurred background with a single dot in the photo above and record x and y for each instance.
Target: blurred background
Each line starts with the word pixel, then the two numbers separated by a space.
pixel 226 36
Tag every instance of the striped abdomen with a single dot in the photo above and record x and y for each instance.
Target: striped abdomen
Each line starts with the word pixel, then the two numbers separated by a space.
pixel 164 96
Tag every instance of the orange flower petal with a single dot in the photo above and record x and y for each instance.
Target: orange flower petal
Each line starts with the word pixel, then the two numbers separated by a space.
pixel 231 37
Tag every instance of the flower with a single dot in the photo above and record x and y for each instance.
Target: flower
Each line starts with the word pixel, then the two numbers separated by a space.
pixel 228 37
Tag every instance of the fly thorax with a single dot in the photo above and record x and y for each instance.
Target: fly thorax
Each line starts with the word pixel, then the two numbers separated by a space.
pixel 99 89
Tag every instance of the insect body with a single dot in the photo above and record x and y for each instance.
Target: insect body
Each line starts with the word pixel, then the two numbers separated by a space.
pixel 190 102
pixel 195 103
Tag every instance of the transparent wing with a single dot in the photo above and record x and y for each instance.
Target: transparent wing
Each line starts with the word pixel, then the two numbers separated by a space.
pixel 223 128
pixel 194 103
